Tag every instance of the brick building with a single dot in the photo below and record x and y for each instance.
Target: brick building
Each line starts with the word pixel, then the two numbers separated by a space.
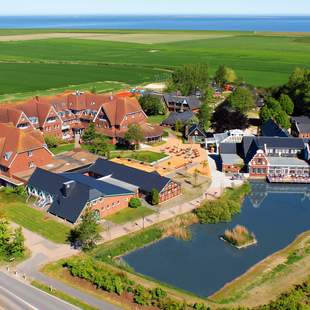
pixel 68 195
pixel 68 114
pixel 144 181
pixel 20 150
pixel 301 127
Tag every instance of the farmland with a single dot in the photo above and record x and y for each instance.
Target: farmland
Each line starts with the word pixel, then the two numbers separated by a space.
pixel 56 63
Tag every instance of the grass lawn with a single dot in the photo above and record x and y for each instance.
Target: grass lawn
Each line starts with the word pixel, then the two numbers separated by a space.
pixel 62 148
pixel 146 156
pixel 129 215
pixel 156 119
pixel 63 296
pixel 39 222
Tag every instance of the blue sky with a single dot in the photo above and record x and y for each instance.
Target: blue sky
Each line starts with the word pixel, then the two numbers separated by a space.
pixel 189 7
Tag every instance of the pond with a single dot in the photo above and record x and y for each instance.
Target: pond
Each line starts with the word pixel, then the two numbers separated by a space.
pixel 275 213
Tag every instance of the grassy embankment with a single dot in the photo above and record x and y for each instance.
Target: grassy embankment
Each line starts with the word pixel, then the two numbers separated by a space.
pixel 19 212
pixel 71 300
pixel 270 277
pixel 34 66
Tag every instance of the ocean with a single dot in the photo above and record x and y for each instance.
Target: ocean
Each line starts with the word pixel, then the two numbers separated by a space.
pixel 237 23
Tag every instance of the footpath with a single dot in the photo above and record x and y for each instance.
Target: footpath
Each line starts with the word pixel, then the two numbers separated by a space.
pixel 44 251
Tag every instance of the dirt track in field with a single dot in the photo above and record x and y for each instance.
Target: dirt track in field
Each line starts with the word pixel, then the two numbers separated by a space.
pixel 143 38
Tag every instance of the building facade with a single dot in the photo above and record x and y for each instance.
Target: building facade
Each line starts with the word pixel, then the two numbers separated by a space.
pixel 69 114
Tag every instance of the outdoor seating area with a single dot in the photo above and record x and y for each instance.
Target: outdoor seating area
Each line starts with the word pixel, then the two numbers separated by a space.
pixel 188 153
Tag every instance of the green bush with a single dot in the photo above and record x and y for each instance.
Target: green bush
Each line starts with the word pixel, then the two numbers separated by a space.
pixel 134 203
pixel 154 197
pixel 165 134
pixel 223 208
pixel 115 282
pixel 52 141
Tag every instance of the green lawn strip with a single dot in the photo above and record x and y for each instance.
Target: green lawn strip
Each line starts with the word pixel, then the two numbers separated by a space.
pixel 62 148
pixel 100 87
pixel 145 156
pixel 257 276
pixel 63 296
pixel 39 222
pixel 129 215
pixel 156 119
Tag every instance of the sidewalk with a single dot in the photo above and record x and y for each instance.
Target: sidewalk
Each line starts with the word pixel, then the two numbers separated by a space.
pixel 219 182
pixel 44 251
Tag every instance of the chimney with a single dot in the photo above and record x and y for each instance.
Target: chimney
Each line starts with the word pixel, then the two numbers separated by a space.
pixel 67 188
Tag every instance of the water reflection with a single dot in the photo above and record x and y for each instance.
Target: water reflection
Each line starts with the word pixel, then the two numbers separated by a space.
pixel 275 213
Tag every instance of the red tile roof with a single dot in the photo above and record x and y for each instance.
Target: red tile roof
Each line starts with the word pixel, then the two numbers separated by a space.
pixel 14 141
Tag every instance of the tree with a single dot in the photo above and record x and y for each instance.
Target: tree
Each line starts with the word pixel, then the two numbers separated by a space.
pixel 52 141
pixel 134 203
pixel 224 75
pixel 154 197
pixel 265 114
pixel 282 119
pixel 101 145
pixel 87 233
pixel 224 118
pixel 287 104
pixel 178 125
pixel 17 247
pixel 11 242
pixel 89 134
pixel 242 100
pixel 277 110
pixel 151 105
pixel 298 89
pixel 204 116
pixel 134 135
pixel 189 78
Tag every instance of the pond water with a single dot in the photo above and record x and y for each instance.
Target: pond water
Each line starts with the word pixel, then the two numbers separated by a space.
pixel 275 213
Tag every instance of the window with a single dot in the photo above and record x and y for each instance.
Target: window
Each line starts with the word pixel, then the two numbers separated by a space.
pixel 31 164
pixel 29 153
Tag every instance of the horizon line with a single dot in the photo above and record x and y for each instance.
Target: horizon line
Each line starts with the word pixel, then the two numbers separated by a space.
pixel 157 15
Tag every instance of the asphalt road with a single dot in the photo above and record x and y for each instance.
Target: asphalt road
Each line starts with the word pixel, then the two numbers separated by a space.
pixel 16 295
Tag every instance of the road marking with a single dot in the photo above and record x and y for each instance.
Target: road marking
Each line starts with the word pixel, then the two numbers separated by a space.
pixel 18 298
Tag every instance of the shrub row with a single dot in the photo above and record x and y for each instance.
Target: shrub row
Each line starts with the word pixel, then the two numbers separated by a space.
pixel 119 283
pixel 223 208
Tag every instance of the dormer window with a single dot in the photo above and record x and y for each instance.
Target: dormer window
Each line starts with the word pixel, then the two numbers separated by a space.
pixel 29 153
pixel 7 155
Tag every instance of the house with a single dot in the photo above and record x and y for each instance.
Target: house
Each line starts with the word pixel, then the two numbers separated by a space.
pixel 301 126
pixel 230 159
pixel 271 129
pixel 20 150
pixel 213 140
pixel 178 103
pixel 279 159
pixel 69 114
pixel 195 134
pixel 181 117
pixel 145 181
pixel 68 195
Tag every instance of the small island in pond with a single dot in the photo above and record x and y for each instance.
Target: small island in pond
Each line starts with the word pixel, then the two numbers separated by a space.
pixel 239 237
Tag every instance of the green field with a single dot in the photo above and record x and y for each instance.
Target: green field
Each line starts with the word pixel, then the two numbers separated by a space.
pixel 29 66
